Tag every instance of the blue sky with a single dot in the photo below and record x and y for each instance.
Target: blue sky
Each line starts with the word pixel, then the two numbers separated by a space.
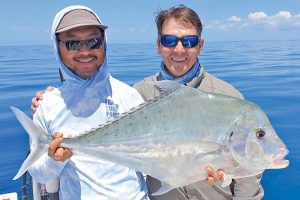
pixel 132 21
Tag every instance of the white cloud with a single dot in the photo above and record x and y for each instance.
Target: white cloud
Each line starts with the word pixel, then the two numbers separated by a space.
pixel 284 14
pixel 283 20
pixel 234 19
pixel 257 16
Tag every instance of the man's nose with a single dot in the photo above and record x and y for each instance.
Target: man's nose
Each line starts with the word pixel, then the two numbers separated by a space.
pixel 179 47
pixel 84 47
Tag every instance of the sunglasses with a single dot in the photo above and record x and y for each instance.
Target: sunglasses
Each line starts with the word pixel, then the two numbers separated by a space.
pixel 76 45
pixel 188 41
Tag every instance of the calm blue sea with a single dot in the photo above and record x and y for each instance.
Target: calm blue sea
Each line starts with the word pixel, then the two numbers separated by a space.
pixel 266 72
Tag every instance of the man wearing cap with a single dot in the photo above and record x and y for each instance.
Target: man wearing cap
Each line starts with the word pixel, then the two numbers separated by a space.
pixel 88 96
pixel 179 43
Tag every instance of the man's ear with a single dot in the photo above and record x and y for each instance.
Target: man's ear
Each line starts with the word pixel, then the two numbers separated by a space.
pixel 201 44
pixel 158 46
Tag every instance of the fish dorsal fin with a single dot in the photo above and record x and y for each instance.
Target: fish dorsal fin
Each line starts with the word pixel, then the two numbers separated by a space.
pixel 164 87
pixel 109 122
pixel 165 187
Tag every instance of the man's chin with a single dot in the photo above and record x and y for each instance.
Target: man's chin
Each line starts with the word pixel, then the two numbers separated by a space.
pixel 85 75
pixel 177 73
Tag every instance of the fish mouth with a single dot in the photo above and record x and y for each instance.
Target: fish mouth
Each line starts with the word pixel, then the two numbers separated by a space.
pixel 279 161
pixel 279 164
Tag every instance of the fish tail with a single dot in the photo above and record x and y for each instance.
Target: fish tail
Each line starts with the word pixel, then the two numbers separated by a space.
pixel 36 134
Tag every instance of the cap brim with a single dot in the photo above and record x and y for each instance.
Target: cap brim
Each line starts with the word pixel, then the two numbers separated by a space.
pixel 102 27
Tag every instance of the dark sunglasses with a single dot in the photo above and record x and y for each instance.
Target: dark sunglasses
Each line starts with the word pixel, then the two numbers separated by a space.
pixel 75 45
pixel 188 41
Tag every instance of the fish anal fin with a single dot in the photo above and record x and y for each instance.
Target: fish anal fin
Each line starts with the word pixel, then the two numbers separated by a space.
pixel 165 187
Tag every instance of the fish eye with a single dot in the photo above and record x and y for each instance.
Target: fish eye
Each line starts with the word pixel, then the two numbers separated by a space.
pixel 260 134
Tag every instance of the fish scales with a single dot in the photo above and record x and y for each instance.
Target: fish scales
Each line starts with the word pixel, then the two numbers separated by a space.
pixel 187 107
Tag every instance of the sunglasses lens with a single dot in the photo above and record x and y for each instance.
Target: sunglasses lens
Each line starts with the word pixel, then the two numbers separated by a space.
pixel 190 41
pixel 168 40
pixel 187 41
pixel 95 43
pixel 73 45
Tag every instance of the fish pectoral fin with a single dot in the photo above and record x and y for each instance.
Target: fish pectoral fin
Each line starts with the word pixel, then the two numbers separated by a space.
pixel 227 180
pixel 165 187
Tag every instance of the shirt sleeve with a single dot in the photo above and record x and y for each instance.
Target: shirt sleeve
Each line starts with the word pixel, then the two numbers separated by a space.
pixel 137 99
pixel 46 169
pixel 248 188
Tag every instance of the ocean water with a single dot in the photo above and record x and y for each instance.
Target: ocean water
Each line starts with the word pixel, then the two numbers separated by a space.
pixel 266 72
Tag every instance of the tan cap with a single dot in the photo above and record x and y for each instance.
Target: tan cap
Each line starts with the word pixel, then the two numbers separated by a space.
pixel 77 18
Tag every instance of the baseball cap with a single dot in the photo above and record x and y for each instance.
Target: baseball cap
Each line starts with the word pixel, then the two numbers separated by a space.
pixel 77 18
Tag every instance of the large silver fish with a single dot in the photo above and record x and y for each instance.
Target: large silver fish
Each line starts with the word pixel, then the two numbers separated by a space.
pixel 175 136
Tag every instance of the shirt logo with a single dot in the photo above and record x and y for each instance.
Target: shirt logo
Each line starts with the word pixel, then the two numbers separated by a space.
pixel 112 110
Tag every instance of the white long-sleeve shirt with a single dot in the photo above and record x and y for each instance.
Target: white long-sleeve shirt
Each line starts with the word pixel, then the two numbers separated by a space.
pixel 84 176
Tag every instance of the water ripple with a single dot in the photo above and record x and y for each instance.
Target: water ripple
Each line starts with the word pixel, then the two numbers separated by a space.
pixel 266 72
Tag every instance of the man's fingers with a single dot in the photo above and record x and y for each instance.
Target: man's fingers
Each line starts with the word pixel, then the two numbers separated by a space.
pixel 212 173
pixel 62 154
pixel 214 176
pixel 59 153
pixel 56 152
pixel 53 146
pixel 35 102
pixel 67 154
pixel 49 88
pixel 57 135
pixel 221 174
pixel 210 180
pixel 39 95
pixel 34 105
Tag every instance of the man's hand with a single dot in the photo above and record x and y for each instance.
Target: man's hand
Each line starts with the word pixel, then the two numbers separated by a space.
pixel 214 176
pixel 56 152
pixel 38 97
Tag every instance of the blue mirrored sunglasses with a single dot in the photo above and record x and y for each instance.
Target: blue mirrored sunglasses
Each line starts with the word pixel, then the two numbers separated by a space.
pixel 188 41
pixel 75 45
